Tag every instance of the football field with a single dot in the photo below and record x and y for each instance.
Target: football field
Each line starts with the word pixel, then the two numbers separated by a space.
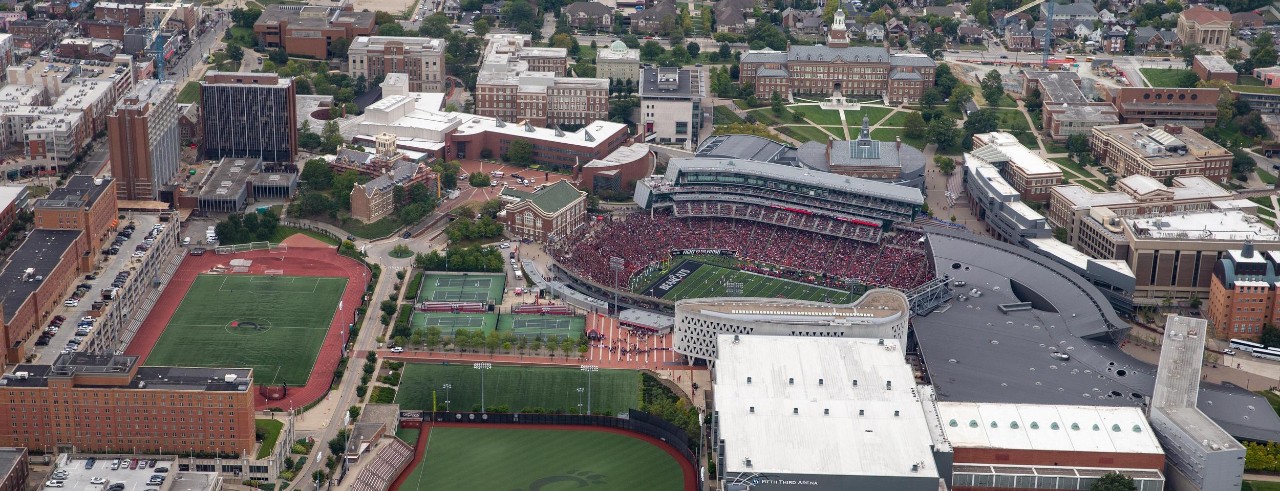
pixel 272 324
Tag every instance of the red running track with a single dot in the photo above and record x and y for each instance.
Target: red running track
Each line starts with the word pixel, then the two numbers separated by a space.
pixel 298 261
pixel 690 474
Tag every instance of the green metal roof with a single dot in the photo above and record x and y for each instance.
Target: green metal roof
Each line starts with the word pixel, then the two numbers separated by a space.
pixel 555 197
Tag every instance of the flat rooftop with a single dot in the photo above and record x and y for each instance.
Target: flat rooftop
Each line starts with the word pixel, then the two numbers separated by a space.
pixel 874 305
pixel 1215 64
pixel 1044 427
pixel 1157 145
pixel 229 177
pixel 1201 429
pixel 1181 354
pixel 40 253
pixel 789 405
pixel 415 44
pixel 80 191
pixel 592 135
pixel 154 378
pixel 624 154
pixel 1004 147
pixel 1059 87
pixel 827 180
pixel 1208 225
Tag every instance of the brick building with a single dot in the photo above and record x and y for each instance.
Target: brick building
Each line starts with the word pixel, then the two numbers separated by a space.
pixel 855 72
pixel 14 467
pixel 1159 153
pixel 422 59
pixel 1071 205
pixel 553 213
pixel 1066 110
pixel 1242 297
pixel 248 115
pixel 1195 108
pixel 619 171
pixel 1213 67
pixel 33 34
pixel 1030 174
pixel 592 16
pixel 108 403
pixel 129 14
pixel 519 82
pixel 308 30
pixel 144 139
pixel 87 204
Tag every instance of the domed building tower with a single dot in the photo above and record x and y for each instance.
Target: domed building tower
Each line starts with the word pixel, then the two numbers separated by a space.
pixel 618 62
pixel 838 36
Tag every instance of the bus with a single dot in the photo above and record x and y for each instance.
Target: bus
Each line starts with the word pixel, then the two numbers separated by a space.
pixel 1243 345
pixel 1267 354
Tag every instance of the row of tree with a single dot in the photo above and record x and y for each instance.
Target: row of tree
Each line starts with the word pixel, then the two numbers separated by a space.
pixel 476 259
pixel 241 228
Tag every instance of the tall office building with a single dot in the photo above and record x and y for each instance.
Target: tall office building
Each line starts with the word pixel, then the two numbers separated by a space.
pixel 249 115
pixel 143 137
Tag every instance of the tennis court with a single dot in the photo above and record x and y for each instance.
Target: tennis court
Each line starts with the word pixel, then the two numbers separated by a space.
pixel 448 323
pixel 547 326
pixel 467 287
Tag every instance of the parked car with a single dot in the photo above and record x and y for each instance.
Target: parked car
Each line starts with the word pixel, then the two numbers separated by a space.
pixel 397 349
pixel 162 469
pixel 54 484
pixel 88 464
pixel 98 480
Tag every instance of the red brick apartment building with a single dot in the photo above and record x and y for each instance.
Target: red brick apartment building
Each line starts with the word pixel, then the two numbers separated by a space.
pixel 14 467
pixel 108 403
pixel 1242 296
pixel 308 30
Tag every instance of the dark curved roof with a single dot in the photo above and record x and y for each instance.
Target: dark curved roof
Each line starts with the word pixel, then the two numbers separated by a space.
pixel 975 352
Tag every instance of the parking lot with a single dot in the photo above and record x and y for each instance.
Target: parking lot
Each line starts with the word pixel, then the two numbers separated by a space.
pixel 105 276
pixel 101 477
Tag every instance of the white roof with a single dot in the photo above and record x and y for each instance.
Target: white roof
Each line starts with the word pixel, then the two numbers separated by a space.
pixel 1081 197
pixel 1143 184
pixel 1061 250
pixel 1210 225
pixel 789 433
pixel 8 194
pixel 1017 154
pixel 1104 429
pixel 594 134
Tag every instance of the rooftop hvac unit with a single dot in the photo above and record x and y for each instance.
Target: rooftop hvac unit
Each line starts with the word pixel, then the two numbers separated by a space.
pixel 229 378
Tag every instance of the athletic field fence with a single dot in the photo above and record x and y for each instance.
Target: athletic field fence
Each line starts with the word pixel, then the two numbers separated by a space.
pixel 251 246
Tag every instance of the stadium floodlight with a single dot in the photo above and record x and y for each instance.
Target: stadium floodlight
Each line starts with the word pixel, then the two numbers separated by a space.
pixel 617 264
pixel 483 367
pixel 589 369
pixel 447 387
pixel 580 400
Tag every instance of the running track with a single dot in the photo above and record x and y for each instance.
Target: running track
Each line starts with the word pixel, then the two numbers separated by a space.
pixel 690 474
pixel 299 261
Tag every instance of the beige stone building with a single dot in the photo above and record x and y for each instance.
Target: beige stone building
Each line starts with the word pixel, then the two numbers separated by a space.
pixel 1208 28
pixel 519 82
pixel 618 62
pixel 1160 153
pixel 1069 206
pixel 422 59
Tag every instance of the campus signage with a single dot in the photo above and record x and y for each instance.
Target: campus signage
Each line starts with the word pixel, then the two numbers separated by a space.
pixel 703 252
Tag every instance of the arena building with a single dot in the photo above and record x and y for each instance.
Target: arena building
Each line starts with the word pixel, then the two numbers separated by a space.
pixel 1024 329
pixel 889 162
pixel 837 205
pixel 824 414
pixel 880 313
pixel 1042 446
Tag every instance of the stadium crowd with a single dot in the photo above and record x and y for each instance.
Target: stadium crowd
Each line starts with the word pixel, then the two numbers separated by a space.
pixel 899 261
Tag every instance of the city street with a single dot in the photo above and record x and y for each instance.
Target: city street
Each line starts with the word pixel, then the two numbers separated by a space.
pixel 181 68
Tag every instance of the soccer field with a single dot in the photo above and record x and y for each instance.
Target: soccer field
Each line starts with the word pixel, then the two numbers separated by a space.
pixel 518 459
pixel 272 324
pixel 708 281
pixel 516 387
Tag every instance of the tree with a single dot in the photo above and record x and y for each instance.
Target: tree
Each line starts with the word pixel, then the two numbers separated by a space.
pixel 435 25
pixel 981 121
pixel 479 180
pixel 776 103
pixel 960 95
pixel 482 27
pixel 693 48
pixel 725 51
pixel 338 47
pixel 931 44
pixel 1033 100
pixel 1077 144
pixel 520 152
pixel 1226 109
pixel 522 17
pixel 943 132
pixel 1189 52
pixel 1114 481
pixel 240 17
pixel 913 126
pixel 651 50
pixel 992 87
pixel 235 52
pixel 562 40
pixel 1242 163
pixel 946 165
pixel 317 174
pixel 392 29
pixel 309 204
pixel 1060 233
pixel 1233 55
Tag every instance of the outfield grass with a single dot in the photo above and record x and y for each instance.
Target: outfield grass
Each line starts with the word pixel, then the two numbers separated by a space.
pixel 708 281
pixel 408 435
pixel 283 232
pixel 517 388
pixel 272 429
pixel 293 314
pixel 435 287
pixel 1165 77
pixel 502 459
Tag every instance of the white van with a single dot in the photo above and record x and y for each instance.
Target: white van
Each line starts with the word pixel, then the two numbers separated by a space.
pixel 496 173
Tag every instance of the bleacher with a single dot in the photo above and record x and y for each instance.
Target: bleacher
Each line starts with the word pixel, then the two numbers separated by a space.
pixel 781 217
pixel 452 307
pixel 383 466
pixel 542 309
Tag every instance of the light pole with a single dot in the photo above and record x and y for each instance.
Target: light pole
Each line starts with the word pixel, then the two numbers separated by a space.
pixel 482 366
pixel 446 396
pixel 579 400
pixel 589 369
pixel 616 264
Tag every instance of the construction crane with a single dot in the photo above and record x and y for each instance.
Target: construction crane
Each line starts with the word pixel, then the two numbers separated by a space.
pixel 156 46
pixel 1048 26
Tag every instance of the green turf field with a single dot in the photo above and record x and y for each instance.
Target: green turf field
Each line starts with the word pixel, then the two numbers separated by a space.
pixel 448 323
pixel 272 324
pixel 708 281
pixel 516 387
pixel 511 459
pixel 547 326
pixel 470 287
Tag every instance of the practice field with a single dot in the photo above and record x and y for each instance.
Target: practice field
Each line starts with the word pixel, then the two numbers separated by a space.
pixel 541 459
pixel 448 323
pixel 462 287
pixel 706 280
pixel 516 387
pixel 272 324
pixel 547 326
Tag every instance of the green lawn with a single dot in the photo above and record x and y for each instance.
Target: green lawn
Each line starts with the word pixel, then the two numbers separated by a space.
pixel 376 230
pixel 873 113
pixel 271 427
pixel 1012 119
pixel 1249 80
pixel 1266 177
pixel 283 232
pixel 810 133
pixel 896 119
pixel 708 281
pixel 1260 486
pixel 1256 90
pixel 818 115
pixel 190 93
pixel 1165 77
pixel 1089 184
pixel 272 324
pixel 1262 200
pixel 724 115
pixel 518 388
pixel 1005 101
pixel 766 116
pixel 502 459
pixel 1071 164
pixel 890 134
pixel 408 435
pixel 242 36
pixel 1054 147
pixel 467 287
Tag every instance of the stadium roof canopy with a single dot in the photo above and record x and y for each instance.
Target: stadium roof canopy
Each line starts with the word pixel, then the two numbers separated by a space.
pixel 799 175
pixel 1020 308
